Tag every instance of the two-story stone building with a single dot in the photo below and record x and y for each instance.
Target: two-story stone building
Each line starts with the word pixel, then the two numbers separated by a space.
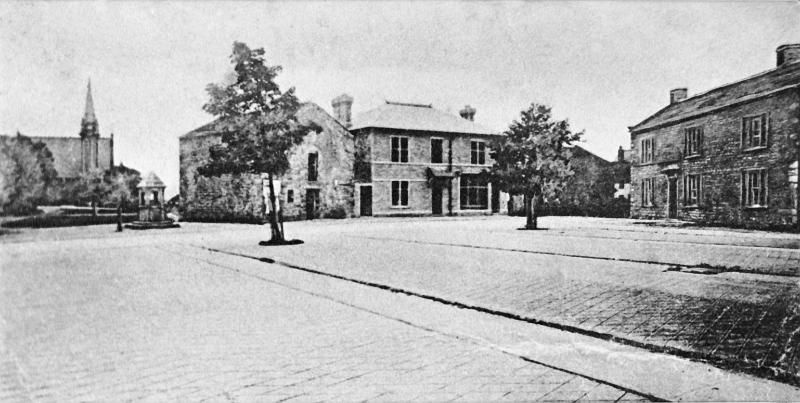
pixel 413 159
pixel 319 182
pixel 727 156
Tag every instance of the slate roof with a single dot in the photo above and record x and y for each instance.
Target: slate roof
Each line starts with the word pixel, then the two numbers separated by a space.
pixel 304 114
pixel 762 84
pixel 396 115
pixel 151 180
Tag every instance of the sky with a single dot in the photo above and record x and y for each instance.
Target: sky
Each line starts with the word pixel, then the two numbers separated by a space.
pixel 604 66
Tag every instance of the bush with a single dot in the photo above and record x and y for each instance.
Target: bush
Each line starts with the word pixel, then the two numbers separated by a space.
pixel 335 212
pixel 47 221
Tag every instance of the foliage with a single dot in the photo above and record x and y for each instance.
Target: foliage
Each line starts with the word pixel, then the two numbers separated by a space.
pixel 116 186
pixel 258 122
pixel 27 174
pixel 532 159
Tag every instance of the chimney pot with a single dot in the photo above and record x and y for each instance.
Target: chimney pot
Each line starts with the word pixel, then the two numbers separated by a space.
pixel 342 106
pixel 788 53
pixel 468 113
pixel 677 95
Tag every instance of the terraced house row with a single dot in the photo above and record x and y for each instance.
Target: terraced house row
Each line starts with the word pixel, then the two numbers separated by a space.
pixel 398 159
pixel 726 156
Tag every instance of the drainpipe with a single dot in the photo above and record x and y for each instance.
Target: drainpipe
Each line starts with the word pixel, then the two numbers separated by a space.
pixel 450 179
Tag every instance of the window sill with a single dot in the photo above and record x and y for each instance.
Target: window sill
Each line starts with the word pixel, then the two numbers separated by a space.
pixel 641 164
pixel 399 207
pixel 693 156
pixel 753 149
pixel 755 207
pixel 691 207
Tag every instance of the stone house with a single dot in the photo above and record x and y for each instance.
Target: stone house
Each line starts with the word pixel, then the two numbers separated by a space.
pixel 319 182
pixel 413 159
pixel 727 156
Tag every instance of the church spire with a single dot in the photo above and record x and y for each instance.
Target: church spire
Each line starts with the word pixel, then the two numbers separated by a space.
pixel 89 121
pixel 88 114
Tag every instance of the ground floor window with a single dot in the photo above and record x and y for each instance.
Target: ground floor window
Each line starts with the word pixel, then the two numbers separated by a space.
pixel 648 191
pixel 754 188
pixel 474 192
pixel 691 190
pixel 399 193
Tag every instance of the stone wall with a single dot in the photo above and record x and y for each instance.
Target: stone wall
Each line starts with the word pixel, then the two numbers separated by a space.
pixel 243 197
pixel 720 165
pixel 382 171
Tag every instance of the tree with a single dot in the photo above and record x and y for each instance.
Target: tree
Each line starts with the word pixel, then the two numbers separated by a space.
pixel 532 158
pixel 258 123
pixel 28 174
pixel 91 187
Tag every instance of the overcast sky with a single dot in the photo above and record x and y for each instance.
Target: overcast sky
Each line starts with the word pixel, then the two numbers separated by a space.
pixel 603 65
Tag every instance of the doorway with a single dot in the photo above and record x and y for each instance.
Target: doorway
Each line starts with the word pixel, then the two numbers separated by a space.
pixel 672 197
pixel 366 201
pixel 312 202
pixel 436 199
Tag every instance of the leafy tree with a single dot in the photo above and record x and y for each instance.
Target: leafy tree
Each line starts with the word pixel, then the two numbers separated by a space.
pixel 91 188
pixel 122 182
pixel 28 174
pixel 532 160
pixel 258 123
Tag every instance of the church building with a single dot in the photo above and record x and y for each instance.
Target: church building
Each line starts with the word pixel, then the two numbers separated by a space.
pixel 73 156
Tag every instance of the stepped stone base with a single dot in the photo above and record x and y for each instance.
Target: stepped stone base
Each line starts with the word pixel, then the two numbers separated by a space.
pixel 152 225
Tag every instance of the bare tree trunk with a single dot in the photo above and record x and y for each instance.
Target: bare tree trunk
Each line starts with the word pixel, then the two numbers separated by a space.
pixel 119 217
pixel 530 221
pixel 277 235
pixel 94 208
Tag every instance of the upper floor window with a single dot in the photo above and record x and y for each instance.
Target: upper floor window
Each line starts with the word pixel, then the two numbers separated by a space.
pixel 290 196
pixel 647 150
pixel 754 187
pixel 692 141
pixel 399 149
pixel 399 193
pixel 691 190
pixel 313 159
pixel 754 131
pixel 436 151
pixel 478 154
pixel 648 191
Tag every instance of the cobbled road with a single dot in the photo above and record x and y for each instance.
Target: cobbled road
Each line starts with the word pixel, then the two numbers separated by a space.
pixel 628 283
pixel 89 315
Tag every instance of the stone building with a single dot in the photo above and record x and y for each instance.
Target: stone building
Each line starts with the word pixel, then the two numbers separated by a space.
pixel 412 159
pixel 727 156
pixel 73 156
pixel 319 182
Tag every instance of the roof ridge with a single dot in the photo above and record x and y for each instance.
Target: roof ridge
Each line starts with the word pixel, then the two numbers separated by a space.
pixel 410 104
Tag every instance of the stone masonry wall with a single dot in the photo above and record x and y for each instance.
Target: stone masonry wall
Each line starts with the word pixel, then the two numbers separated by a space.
pixel 242 197
pixel 721 163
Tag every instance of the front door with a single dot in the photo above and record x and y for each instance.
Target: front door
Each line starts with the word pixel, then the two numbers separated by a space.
pixel 312 200
pixel 673 197
pixel 436 199
pixel 366 201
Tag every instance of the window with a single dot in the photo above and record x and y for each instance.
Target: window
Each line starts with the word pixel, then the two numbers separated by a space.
pixel 474 192
pixel 647 150
pixel 155 196
pixel 691 190
pixel 313 158
pixel 436 151
pixel 399 193
pixel 648 191
pixel 692 141
pixel 478 155
pixel 290 196
pixel 754 131
pixel 754 188
pixel 399 149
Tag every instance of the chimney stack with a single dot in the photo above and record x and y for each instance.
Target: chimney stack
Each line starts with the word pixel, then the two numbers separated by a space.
pixel 341 109
pixel 468 113
pixel 788 53
pixel 677 95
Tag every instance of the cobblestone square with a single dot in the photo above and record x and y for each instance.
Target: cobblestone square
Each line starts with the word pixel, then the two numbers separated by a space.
pixel 188 315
